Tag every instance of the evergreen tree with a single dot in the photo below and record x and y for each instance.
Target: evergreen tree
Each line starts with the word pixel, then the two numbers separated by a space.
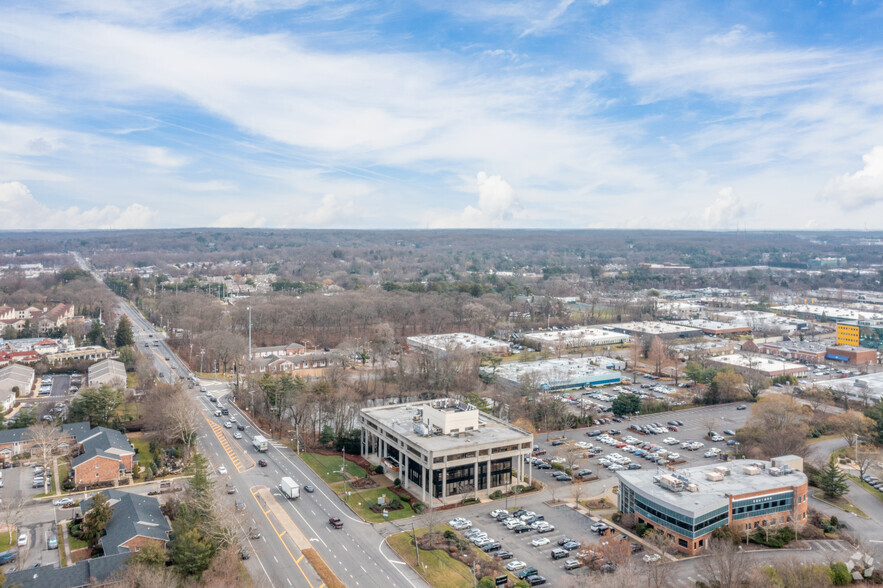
pixel 98 406
pixel 833 481
pixel 96 519
pixel 191 552
pixel 95 336
pixel 124 334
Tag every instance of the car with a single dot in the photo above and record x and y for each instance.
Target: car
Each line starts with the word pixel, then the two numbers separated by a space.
pixel 717 438
pixel 336 522
pixel 634 466
pixel 63 501
pixel 527 572
pixel 240 427
pixel 232 417
pixel 741 407
pixel 492 546
pixel 564 478
pixel 729 432
pixel 535 580
pixel 52 542
pixel 540 541
pixel 23 538
pixel 237 435
pixel 309 488
pixel 495 513
pixel 503 554
pixel 564 540
pixel 514 566
pixel 651 557
pixel 521 529
pixel 222 469
pixel 262 463
pixel 572 564
pixel 228 425
pixel 213 399
pixel 571 545
pixel 558 554
pixel 598 528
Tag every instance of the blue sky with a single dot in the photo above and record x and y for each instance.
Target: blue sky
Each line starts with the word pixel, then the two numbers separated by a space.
pixel 561 114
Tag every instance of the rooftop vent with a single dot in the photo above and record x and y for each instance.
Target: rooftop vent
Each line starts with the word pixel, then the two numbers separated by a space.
pixel 751 470
pixel 722 470
pixel 692 488
pixel 714 476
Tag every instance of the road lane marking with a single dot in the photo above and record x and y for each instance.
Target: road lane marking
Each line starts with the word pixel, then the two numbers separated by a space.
pixel 285 545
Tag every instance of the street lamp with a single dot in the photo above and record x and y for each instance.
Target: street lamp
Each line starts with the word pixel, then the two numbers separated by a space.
pixel 201 358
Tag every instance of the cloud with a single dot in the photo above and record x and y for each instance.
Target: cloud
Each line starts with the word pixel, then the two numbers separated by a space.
pixel 20 210
pixel 725 210
pixel 864 187
pixel 213 186
pixel 249 219
pixel 329 213
pixel 162 157
pixel 496 204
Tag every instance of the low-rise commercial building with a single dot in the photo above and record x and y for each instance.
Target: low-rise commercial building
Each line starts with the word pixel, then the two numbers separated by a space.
pixel 454 342
pixel 279 350
pixel 794 350
pixel 89 353
pixel 762 365
pixel 710 327
pixel 445 451
pixel 651 329
pixel 851 354
pixel 15 380
pixel 689 504
pixel 575 338
pixel 107 371
pixel 861 333
pixel 566 373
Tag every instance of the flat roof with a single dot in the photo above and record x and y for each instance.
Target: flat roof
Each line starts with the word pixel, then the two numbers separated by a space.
pixel 556 372
pixel 832 312
pixel 400 419
pixel 758 362
pixel 651 327
pixel 807 346
pixel 868 386
pixel 576 334
pixel 452 341
pixel 710 495
pixel 710 325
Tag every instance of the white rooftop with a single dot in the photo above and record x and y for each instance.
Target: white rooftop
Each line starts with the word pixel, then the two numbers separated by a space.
pixel 761 363
pixel 832 312
pixel 456 341
pixel 651 327
pixel 552 372
pixel 710 495
pixel 579 335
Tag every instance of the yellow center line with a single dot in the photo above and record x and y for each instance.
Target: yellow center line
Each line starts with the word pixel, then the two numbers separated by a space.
pixel 295 560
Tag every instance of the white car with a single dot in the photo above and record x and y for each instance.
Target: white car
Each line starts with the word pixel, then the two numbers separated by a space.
pixel 471 532
pixel 717 438
pixel 673 456
pixel 222 469
pixel 615 467
pixel 63 501
pixel 712 453
pixel 540 541
pixel 651 557
pixel 495 513
pixel 514 566
pixel 22 538
pixel 237 435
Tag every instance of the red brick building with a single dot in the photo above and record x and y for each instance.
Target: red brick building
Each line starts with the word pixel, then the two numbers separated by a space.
pixel 106 456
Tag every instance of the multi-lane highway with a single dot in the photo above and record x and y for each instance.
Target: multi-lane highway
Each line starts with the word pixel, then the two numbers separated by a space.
pixel 357 553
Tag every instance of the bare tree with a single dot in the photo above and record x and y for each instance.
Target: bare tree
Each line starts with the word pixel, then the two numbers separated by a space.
pixel 44 438
pixel 852 426
pixel 658 354
pixel 182 418
pixel 725 564
pixel 865 459
pixel 11 510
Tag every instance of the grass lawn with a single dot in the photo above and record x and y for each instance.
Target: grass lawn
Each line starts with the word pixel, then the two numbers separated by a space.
pixel 437 567
pixel 131 380
pixel 363 500
pixel 63 472
pixel 76 543
pixel 328 467
pixel 5 543
pixel 823 438
pixel 60 535
pixel 841 503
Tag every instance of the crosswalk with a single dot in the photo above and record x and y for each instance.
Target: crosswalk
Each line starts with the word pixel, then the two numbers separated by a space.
pixel 828 545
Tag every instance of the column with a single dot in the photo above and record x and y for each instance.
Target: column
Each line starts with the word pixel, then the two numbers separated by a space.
pixel 488 485
pixel 444 483
pixel 424 484
pixel 403 469
pixel 475 480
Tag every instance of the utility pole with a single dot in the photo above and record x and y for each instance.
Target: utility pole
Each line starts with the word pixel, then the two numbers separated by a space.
pixel 249 333
pixel 416 547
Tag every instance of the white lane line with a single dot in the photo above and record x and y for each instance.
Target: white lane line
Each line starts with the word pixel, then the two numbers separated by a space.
pixel 289 582
pixel 274 557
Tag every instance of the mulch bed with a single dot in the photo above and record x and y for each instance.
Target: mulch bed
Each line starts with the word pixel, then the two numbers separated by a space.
pixel 363 484
pixel 356 459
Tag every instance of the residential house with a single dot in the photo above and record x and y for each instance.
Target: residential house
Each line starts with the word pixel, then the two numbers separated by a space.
pixel 279 350
pixel 107 371
pixel 99 571
pixel 105 455
pixel 15 380
pixel 136 521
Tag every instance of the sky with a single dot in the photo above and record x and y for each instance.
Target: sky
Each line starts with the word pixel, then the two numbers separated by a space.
pixel 477 114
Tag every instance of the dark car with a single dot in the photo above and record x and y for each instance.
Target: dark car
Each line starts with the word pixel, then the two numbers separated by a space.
pixel 543 466
pixel 535 580
pixel 521 529
pixel 557 442
pixel 564 478
pixel 262 463
pixel 634 466
pixel 240 427
pixel 504 554
pixel 527 572
pixel 491 547
pixel 336 522
pixel 571 545
pixel 519 512
pixel 558 554
pixel 564 540
pixel 741 407
pixel 309 488
pixel 584 472
pixel 213 399
pixel 592 433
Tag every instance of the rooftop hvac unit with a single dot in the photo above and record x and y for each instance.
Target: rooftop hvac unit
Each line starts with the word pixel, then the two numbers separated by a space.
pixel 751 470
pixel 759 465
pixel 775 472
pixel 692 488
pixel 722 470
pixel 671 483
pixel 714 476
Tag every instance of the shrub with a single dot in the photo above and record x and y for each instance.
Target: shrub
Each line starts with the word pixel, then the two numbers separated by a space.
pixel 839 574
pixel 641 529
pixel 397 482
pixel 486 582
pixel 834 522
pixel 779 538
pixel 378 469
pixel 521 584
pixel 558 466
pixel 450 535
pixel 497 494
pixel 470 501
pixel 418 507
pixel 727 533
pixel 395 504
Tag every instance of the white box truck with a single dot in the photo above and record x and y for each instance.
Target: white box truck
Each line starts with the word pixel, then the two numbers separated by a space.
pixel 259 442
pixel 289 488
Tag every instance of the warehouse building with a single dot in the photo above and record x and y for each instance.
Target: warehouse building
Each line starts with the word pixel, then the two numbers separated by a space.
pixel 451 342
pixel 108 371
pixel 689 504
pixel 445 451
pixel 654 329
pixel 765 366
pixel 851 354
pixel 716 327
pixel 555 375
pixel 794 350
pixel 575 338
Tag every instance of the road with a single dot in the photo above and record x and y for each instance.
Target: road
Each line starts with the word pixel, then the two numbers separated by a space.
pixel 357 553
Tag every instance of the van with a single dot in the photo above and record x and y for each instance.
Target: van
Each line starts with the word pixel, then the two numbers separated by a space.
pixel 217 413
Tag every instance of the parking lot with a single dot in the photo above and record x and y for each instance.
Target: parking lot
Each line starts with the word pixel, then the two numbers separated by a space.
pixel 18 483
pixel 697 422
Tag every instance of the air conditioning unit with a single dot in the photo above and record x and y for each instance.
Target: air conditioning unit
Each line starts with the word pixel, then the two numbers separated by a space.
pixel 751 470
pixel 775 472
pixel 722 470
pixel 692 488
pixel 714 476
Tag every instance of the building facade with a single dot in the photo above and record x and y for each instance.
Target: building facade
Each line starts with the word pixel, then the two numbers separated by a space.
pixel 445 451
pixel 689 504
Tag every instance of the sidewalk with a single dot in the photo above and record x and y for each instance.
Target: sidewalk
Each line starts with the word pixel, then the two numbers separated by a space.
pixel 67 543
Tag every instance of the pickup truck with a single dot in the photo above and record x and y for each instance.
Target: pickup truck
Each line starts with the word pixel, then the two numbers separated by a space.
pixel 336 522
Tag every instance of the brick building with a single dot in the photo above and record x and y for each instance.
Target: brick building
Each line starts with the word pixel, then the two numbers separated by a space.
pixel 105 455
pixel 137 521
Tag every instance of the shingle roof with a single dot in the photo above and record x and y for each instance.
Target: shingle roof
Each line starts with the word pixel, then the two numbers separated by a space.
pixel 12 435
pixel 102 442
pixel 75 576
pixel 133 515
pixel 78 431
